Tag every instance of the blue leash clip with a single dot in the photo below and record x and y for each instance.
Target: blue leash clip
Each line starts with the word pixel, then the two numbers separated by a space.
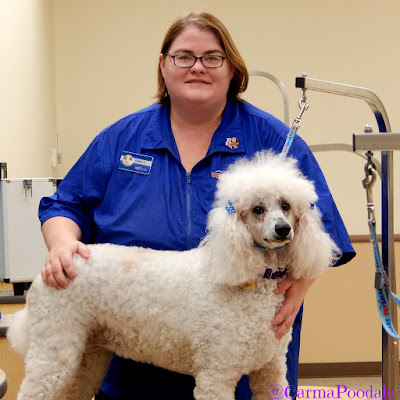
pixel 289 140
pixel 303 105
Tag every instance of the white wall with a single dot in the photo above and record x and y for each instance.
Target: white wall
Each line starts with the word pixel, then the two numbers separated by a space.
pixel 27 78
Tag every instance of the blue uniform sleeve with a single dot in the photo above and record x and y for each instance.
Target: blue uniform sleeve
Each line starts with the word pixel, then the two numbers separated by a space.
pixel 80 191
pixel 330 215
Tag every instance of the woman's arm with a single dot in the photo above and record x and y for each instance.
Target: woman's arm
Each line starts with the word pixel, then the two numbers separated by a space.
pixel 63 239
pixel 295 291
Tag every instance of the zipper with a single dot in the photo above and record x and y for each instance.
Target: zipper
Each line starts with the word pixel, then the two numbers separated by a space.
pixel 188 211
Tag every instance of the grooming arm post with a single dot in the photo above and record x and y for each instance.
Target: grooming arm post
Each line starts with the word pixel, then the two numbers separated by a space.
pixel 377 142
pixel 349 91
pixel 390 356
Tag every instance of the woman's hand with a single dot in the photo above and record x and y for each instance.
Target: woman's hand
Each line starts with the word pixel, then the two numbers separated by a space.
pixel 59 265
pixel 62 237
pixel 295 291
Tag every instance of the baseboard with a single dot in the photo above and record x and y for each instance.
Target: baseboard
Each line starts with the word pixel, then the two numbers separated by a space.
pixel 366 238
pixel 333 370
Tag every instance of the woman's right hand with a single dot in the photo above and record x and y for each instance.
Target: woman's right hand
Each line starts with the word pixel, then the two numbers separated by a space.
pixel 63 240
pixel 59 267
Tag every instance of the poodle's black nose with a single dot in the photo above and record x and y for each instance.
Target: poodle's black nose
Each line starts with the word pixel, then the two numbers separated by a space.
pixel 282 230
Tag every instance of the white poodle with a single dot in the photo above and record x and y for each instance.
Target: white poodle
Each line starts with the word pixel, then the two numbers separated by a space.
pixel 205 312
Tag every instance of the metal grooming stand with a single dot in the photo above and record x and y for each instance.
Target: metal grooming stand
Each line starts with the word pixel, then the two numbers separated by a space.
pixel 386 143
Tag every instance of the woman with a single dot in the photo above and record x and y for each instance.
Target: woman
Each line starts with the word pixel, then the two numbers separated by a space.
pixel 149 179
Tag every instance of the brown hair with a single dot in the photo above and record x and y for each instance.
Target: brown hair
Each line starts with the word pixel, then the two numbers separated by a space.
pixel 209 22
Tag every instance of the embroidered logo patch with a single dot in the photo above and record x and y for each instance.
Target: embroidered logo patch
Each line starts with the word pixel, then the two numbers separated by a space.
pixel 139 163
pixel 215 174
pixel 232 143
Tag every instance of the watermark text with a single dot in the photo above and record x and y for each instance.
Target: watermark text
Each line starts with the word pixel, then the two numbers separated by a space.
pixel 277 392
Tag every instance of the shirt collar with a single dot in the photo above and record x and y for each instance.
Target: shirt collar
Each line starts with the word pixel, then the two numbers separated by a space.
pixel 228 138
pixel 159 133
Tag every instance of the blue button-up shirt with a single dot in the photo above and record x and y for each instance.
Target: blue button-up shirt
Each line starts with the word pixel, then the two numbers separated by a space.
pixel 160 205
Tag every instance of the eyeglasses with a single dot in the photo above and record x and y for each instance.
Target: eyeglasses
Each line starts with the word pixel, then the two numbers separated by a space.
pixel 188 60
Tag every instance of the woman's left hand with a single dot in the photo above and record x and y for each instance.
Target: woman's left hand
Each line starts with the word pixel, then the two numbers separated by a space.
pixel 295 291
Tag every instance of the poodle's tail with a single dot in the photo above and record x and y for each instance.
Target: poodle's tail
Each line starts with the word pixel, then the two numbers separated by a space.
pixel 18 333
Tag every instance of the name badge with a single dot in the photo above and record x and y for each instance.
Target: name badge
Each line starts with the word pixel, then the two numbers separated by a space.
pixel 139 163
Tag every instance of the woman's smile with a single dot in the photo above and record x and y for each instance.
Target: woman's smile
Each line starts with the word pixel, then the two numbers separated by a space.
pixel 198 82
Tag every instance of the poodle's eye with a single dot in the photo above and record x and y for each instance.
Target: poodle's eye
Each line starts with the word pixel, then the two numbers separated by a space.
pixel 285 206
pixel 258 210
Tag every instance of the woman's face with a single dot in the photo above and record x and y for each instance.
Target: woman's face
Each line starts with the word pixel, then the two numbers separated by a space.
pixel 196 85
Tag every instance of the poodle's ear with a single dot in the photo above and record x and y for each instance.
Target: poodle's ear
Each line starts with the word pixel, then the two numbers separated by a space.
pixel 232 258
pixel 312 250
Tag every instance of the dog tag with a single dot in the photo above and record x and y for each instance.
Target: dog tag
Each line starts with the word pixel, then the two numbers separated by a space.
pixel 250 285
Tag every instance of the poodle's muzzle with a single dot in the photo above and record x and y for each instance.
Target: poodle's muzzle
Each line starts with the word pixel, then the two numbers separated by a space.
pixel 278 231
pixel 271 225
pixel 283 230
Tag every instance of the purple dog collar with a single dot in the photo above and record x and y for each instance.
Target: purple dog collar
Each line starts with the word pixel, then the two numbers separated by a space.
pixel 269 274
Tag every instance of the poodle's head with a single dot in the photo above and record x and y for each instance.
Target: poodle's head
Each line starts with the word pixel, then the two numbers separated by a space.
pixel 269 194
pixel 265 204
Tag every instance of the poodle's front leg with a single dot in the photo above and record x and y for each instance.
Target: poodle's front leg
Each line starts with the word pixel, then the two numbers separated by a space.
pixel 270 381
pixel 215 385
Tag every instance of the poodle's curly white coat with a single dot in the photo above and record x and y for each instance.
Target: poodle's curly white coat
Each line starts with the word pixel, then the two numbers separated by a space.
pixel 185 311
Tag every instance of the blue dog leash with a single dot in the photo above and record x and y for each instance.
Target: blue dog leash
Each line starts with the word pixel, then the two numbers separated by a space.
pixel 382 286
pixel 303 105
pixel 382 283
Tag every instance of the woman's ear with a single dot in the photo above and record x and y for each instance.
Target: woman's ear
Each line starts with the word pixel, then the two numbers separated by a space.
pixel 232 71
pixel 161 61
